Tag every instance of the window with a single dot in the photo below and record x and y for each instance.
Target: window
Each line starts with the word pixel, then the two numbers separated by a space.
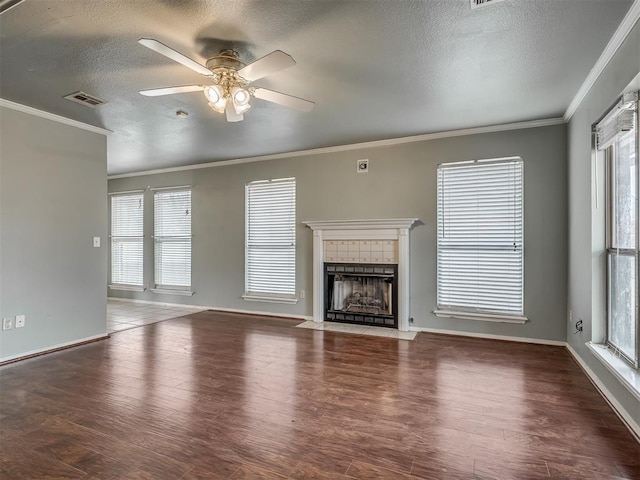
pixel 480 240
pixel 127 240
pixel 172 240
pixel 617 135
pixel 271 240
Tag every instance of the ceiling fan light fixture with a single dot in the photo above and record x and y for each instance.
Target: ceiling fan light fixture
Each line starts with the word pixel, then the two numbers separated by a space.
pixel 219 105
pixel 240 96
pixel 240 109
pixel 214 93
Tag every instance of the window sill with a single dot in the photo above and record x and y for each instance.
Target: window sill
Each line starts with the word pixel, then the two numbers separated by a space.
pixel 483 317
pixel 625 373
pixel 165 291
pixel 128 288
pixel 269 299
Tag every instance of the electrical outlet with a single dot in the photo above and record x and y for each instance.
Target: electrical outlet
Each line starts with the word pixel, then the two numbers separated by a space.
pixel 301 293
pixel 7 323
pixel 20 320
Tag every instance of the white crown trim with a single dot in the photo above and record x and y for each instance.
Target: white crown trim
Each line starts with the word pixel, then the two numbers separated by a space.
pixel 355 146
pixel 618 38
pixel 52 116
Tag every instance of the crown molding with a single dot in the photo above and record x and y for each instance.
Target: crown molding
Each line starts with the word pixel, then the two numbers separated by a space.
pixel 620 35
pixel 52 116
pixel 354 146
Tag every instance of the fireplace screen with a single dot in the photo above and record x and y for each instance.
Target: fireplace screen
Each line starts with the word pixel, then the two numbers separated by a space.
pixel 364 293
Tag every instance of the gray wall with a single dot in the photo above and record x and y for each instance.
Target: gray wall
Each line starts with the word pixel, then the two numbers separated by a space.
pixel 401 183
pixel 52 190
pixel 587 274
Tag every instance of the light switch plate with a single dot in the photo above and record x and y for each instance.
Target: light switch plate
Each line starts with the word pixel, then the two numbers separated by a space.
pixel 20 321
pixel 96 242
pixel 7 323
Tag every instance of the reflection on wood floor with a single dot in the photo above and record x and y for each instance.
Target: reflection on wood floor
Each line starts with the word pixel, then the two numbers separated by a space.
pixel 215 396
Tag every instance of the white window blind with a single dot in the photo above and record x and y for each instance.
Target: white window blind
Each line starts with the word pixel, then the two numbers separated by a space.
pixel 127 239
pixel 480 237
pixel 619 120
pixel 271 238
pixel 172 239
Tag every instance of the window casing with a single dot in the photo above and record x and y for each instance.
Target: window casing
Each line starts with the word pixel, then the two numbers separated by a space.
pixel 270 242
pixel 127 240
pixel 480 264
pixel 172 240
pixel 621 153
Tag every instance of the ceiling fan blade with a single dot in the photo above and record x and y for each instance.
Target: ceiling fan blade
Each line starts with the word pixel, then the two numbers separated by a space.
pixel 283 99
pixel 271 63
pixel 232 116
pixel 156 92
pixel 168 52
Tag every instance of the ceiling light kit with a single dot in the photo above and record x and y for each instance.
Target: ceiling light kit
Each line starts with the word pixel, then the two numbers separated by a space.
pixel 230 91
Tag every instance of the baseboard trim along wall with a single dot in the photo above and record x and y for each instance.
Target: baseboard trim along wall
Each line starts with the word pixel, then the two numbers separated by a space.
pixel 489 336
pixel 159 304
pixel 263 314
pixel 633 427
pixel 54 348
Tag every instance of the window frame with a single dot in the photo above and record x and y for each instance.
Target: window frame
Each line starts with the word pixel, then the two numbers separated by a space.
pixel 167 288
pixel 610 250
pixel 270 296
pixel 113 239
pixel 478 313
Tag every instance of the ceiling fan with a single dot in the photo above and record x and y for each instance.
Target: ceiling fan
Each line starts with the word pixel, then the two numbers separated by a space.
pixel 230 91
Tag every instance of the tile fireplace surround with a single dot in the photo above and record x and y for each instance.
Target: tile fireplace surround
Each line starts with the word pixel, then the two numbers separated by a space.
pixel 381 241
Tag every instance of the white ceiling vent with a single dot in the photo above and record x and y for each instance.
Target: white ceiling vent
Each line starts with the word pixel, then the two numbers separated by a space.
pixel 84 99
pixel 483 3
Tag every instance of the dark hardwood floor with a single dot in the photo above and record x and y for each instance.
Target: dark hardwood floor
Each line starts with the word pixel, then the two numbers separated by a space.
pixel 216 396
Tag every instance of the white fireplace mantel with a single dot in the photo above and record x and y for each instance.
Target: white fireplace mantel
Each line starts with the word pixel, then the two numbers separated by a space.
pixel 376 229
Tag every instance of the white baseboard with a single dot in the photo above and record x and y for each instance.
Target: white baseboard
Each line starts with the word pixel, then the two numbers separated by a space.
pixel 633 427
pixel 219 309
pixel 489 336
pixel 159 304
pixel 52 348
pixel 265 314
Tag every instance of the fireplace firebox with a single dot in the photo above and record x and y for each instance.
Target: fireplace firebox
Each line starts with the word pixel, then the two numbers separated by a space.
pixel 365 294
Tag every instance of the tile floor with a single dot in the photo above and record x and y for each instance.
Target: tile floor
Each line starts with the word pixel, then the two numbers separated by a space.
pixel 122 315
pixel 358 329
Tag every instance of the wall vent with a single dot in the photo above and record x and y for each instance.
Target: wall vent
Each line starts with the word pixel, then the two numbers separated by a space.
pixel 84 99
pixel 483 3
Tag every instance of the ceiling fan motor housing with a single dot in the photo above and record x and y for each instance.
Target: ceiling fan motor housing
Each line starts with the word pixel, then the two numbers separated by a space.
pixel 227 59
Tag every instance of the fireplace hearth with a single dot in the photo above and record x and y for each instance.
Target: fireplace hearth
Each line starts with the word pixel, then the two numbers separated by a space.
pixel 364 294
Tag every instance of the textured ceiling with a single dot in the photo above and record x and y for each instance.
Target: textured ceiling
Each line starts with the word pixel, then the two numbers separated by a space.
pixel 377 69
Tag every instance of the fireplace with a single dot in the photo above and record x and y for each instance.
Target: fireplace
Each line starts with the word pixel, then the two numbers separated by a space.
pixel 371 259
pixel 364 294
